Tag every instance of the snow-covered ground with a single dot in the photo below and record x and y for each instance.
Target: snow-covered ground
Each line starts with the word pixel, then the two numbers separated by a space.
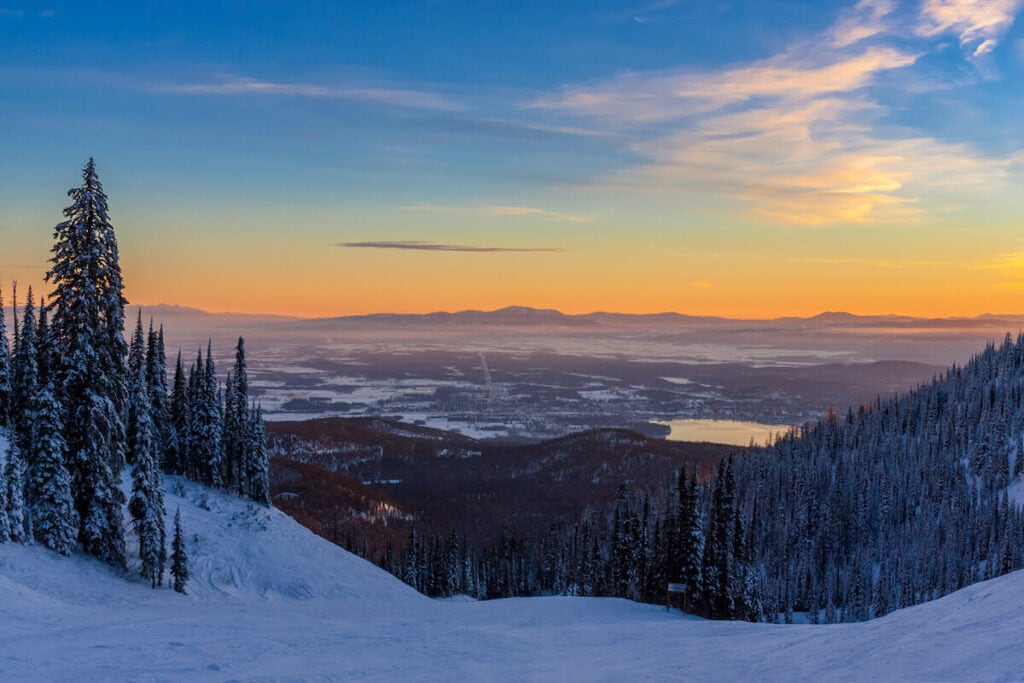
pixel 270 601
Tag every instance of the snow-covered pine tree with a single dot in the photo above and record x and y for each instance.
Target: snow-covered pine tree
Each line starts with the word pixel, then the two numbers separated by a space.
pixel 5 529
pixel 258 472
pixel 175 461
pixel 136 353
pixel 156 381
pixel 146 503
pixel 88 325
pixel 14 485
pixel 25 377
pixel 179 556
pixel 48 484
pixel 209 415
pixel 236 423
pixel 193 423
pixel 45 351
pixel 5 368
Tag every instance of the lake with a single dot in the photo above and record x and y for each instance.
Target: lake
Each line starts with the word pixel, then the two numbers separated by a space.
pixel 722 431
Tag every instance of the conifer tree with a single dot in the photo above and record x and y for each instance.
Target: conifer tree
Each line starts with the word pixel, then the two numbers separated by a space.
pixel 258 474
pixel 88 322
pixel 179 556
pixel 46 354
pixel 48 486
pixel 237 423
pixel 177 451
pixel 5 528
pixel 5 368
pixel 14 483
pixel 208 417
pixel 156 381
pixel 146 503
pixel 25 378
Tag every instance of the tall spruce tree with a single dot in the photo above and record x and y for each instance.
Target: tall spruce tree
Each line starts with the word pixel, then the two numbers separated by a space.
pixel 14 484
pixel 25 379
pixel 179 556
pixel 87 304
pixel 5 527
pixel 258 472
pixel 236 423
pixel 146 503
pixel 5 368
pixel 177 451
pixel 156 382
pixel 48 484
pixel 210 415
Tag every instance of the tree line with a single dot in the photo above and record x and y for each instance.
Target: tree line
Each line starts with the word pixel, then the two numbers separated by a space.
pixel 844 519
pixel 79 404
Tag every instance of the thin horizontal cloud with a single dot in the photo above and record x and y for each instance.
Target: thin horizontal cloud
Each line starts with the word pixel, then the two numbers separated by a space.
pixel 979 24
pixel 413 245
pixel 241 85
pixel 504 210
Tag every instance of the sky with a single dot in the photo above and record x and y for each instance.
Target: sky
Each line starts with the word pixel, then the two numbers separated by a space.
pixel 744 158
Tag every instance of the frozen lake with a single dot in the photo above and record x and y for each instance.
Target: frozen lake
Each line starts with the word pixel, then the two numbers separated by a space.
pixel 722 431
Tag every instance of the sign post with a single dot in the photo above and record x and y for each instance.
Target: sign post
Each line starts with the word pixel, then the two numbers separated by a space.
pixel 675 588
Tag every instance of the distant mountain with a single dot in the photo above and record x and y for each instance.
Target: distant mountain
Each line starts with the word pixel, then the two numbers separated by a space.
pixel 527 317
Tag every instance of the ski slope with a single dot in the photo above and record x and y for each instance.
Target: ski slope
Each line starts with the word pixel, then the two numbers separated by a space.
pixel 270 601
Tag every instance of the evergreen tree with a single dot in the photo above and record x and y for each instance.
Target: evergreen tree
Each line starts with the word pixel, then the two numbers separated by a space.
pixel 146 503
pixel 177 452
pixel 14 484
pixel 179 556
pixel 5 528
pixel 26 374
pixel 258 473
pixel 237 423
pixel 48 486
pixel 88 323
pixel 208 418
pixel 5 369
pixel 156 381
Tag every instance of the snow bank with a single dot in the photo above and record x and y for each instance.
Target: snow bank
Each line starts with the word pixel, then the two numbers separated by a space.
pixel 271 601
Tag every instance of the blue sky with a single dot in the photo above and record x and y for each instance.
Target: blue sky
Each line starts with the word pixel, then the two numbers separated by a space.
pixel 639 155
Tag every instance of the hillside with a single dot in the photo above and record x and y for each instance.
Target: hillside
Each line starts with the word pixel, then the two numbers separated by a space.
pixel 272 601
pixel 448 481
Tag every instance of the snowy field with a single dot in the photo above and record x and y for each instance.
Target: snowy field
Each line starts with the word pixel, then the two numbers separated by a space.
pixel 269 601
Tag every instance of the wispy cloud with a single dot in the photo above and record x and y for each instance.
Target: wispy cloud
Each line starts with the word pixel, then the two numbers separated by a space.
pixel 11 13
pixel 232 85
pixel 979 24
pixel 640 97
pixel 414 245
pixel 866 19
pixel 503 210
pixel 798 138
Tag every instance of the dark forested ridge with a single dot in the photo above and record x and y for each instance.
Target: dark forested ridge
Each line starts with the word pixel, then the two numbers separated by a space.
pixel 885 506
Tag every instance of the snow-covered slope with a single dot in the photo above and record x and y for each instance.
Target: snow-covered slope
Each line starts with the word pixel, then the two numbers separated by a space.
pixel 270 601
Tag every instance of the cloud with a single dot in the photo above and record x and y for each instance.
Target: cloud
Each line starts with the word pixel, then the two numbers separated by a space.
pixel 12 13
pixel 414 245
pixel 866 20
pixel 241 85
pixel 799 138
pixel 978 23
pixel 502 210
pixel 664 96
pixel 700 285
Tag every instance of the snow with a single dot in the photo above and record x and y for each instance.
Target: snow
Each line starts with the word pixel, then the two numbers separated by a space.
pixel 270 601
